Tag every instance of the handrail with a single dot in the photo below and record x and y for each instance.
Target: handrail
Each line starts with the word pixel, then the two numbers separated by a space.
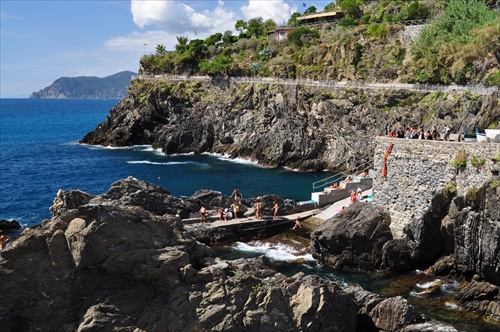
pixel 478 89
pixel 334 178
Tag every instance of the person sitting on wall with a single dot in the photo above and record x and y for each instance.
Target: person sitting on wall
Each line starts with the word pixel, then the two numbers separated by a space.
pixel 222 215
pixel 359 194
pixel 334 186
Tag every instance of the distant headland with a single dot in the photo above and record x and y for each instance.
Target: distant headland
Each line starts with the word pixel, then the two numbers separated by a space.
pixel 88 87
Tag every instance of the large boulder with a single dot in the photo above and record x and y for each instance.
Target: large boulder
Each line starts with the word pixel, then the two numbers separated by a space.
pixel 379 313
pixel 353 238
pixel 424 241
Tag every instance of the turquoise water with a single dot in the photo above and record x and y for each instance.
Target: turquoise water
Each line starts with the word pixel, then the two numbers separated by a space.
pixel 40 154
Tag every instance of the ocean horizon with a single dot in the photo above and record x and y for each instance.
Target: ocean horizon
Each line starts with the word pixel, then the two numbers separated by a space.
pixel 41 154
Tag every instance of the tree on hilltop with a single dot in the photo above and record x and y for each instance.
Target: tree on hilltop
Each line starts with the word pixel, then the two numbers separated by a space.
pixel 160 49
pixel 182 43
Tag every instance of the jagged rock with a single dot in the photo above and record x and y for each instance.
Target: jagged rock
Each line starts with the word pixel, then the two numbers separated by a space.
pixel 477 233
pixel 481 297
pixel 378 313
pixel 353 238
pixel 6 225
pixel 425 236
pixel 110 264
pixel 396 256
pixel 301 127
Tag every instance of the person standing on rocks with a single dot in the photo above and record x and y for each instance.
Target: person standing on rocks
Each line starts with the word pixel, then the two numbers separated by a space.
pixel 275 208
pixel 258 209
pixel 353 197
pixel 203 214
pixel 237 195
pixel 236 208
pixel 222 215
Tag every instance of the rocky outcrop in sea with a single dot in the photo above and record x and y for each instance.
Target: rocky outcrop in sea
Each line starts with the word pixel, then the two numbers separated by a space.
pixel 298 126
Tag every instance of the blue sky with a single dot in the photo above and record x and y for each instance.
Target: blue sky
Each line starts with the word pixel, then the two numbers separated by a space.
pixel 41 41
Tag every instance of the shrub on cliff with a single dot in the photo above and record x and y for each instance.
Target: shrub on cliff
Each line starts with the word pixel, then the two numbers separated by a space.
pixel 446 50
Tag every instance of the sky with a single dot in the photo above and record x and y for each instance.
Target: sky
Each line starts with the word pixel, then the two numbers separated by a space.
pixel 41 41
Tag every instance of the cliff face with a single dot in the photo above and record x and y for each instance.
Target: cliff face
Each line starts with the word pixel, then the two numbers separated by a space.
pixel 114 86
pixel 301 127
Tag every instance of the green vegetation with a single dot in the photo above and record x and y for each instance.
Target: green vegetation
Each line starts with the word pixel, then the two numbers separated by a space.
pixel 471 194
pixel 451 188
pixel 496 158
pixel 446 50
pixel 495 184
pixel 477 162
pixel 460 159
pixel 493 78
pixel 258 287
pixel 455 48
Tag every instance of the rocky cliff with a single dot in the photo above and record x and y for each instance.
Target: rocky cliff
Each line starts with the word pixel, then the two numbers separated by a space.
pixel 458 237
pixel 298 126
pixel 113 86
pixel 121 261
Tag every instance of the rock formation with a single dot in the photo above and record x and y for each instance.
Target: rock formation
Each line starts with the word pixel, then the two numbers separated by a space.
pixel 458 237
pixel 301 127
pixel 353 239
pixel 117 261
pixel 106 263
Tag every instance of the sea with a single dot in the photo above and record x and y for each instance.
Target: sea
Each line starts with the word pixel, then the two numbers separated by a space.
pixel 40 154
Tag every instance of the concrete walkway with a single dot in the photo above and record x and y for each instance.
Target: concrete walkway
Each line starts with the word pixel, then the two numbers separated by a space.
pixel 337 207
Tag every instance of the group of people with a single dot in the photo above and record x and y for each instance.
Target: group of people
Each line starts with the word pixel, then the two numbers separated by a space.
pixel 357 196
pixel 234 209
pixel 413 133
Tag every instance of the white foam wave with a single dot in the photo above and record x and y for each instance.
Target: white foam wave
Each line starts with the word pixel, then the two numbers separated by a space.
pixel 428 284
pixel 226 157
pixel 159 163
pixel 275 251
pixel 451 305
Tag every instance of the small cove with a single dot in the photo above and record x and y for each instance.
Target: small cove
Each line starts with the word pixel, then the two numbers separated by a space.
pixel 288 254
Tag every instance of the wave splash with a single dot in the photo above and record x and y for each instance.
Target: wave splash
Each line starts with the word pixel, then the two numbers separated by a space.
pixel 276 251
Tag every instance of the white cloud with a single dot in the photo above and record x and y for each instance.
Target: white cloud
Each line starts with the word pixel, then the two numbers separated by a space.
pixel 169 15
pixel 176 17
pixel 278 10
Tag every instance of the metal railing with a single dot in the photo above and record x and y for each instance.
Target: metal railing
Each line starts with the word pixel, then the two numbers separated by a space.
pixel 321 184
pixel 477 88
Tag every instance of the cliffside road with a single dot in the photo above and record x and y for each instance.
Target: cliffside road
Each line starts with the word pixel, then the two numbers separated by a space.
pixel 478 89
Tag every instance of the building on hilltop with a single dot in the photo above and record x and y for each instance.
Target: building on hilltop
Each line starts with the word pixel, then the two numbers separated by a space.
pixel 281 33
pixel 320 18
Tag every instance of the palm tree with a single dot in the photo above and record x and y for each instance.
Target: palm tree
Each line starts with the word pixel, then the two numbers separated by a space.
pixel 160 49
pixel 182 43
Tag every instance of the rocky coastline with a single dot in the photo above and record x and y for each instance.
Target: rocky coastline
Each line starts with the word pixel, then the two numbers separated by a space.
pixel 298 126
pixel 124 260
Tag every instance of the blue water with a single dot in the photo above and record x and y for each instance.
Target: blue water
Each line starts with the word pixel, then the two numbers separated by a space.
pixel 40 154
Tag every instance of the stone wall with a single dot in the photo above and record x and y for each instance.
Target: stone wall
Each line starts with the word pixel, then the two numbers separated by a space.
pixel 418 169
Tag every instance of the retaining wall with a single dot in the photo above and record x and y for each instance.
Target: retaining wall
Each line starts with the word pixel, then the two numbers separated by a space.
pixel 418 169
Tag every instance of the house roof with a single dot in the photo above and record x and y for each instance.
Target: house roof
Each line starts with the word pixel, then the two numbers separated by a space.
pixel 327 14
